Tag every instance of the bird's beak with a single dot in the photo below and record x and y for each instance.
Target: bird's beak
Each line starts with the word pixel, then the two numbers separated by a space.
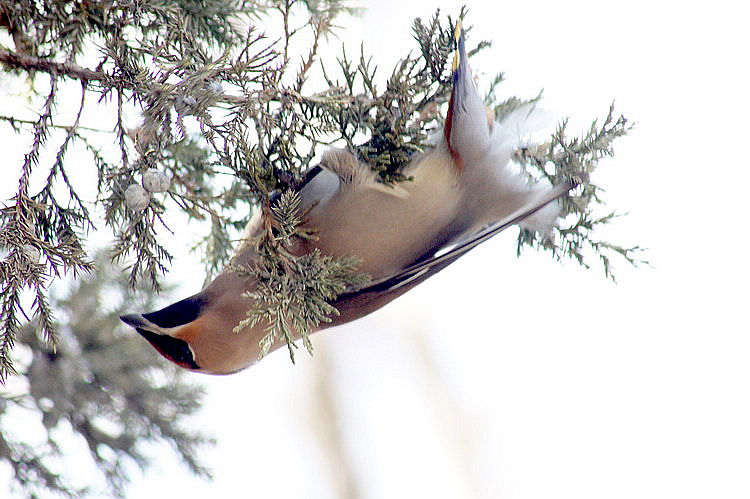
pixel 135 320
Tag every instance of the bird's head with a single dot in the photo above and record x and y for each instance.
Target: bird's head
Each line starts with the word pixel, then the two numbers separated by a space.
pixel 197 333
pixel 164 330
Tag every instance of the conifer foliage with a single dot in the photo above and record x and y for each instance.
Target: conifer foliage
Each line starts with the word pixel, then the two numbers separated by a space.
pixel 99 388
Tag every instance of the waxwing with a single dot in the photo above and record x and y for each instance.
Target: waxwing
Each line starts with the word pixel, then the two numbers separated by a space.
pixel 463 192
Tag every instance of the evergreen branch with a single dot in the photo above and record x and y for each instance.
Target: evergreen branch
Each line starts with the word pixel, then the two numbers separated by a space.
pixel 100 388
pixel 30 63
pixel 45 196
pixel 13 121
pixel 577 159
pixel 30 470
pixel 19 233
pixel 76 72
pixel 293 295
pixel 140 237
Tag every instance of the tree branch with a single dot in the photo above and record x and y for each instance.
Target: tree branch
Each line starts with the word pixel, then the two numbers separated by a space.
pixel 13 121
pixel 70 70
pixel 31 63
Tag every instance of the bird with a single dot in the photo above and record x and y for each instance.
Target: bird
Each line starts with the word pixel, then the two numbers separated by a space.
pixel 463 191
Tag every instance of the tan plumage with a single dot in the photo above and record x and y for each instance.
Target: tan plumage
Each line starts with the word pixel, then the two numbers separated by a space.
pixel 460 186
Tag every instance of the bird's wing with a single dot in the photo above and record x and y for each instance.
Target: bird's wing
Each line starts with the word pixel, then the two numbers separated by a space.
pixel 338 171
pixel 424 268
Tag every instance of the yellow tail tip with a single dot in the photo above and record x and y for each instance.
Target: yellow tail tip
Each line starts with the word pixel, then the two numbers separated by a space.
pixel 458 32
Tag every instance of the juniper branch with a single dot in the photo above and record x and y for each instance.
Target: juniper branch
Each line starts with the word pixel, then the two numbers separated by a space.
pixel 69 69
pixel 561 159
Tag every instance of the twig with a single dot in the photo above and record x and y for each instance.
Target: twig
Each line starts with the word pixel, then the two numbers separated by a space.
pixel 67 128
pixel 71 70
pixel 31 63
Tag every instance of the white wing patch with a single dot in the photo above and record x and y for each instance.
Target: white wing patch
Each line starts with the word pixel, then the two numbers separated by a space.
pixel 354 174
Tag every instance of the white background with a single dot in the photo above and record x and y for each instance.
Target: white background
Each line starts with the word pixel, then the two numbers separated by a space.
pixel 526 378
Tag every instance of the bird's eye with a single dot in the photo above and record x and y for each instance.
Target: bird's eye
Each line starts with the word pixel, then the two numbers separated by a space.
pixel 174 349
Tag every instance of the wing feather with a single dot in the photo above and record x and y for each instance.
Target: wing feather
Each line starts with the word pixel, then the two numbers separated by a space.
pixel 425 267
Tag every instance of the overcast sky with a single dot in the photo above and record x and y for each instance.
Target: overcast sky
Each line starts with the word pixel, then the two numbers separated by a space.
pixel 526 378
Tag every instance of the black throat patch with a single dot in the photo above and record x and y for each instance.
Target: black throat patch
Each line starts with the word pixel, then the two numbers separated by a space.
pixel 173 349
